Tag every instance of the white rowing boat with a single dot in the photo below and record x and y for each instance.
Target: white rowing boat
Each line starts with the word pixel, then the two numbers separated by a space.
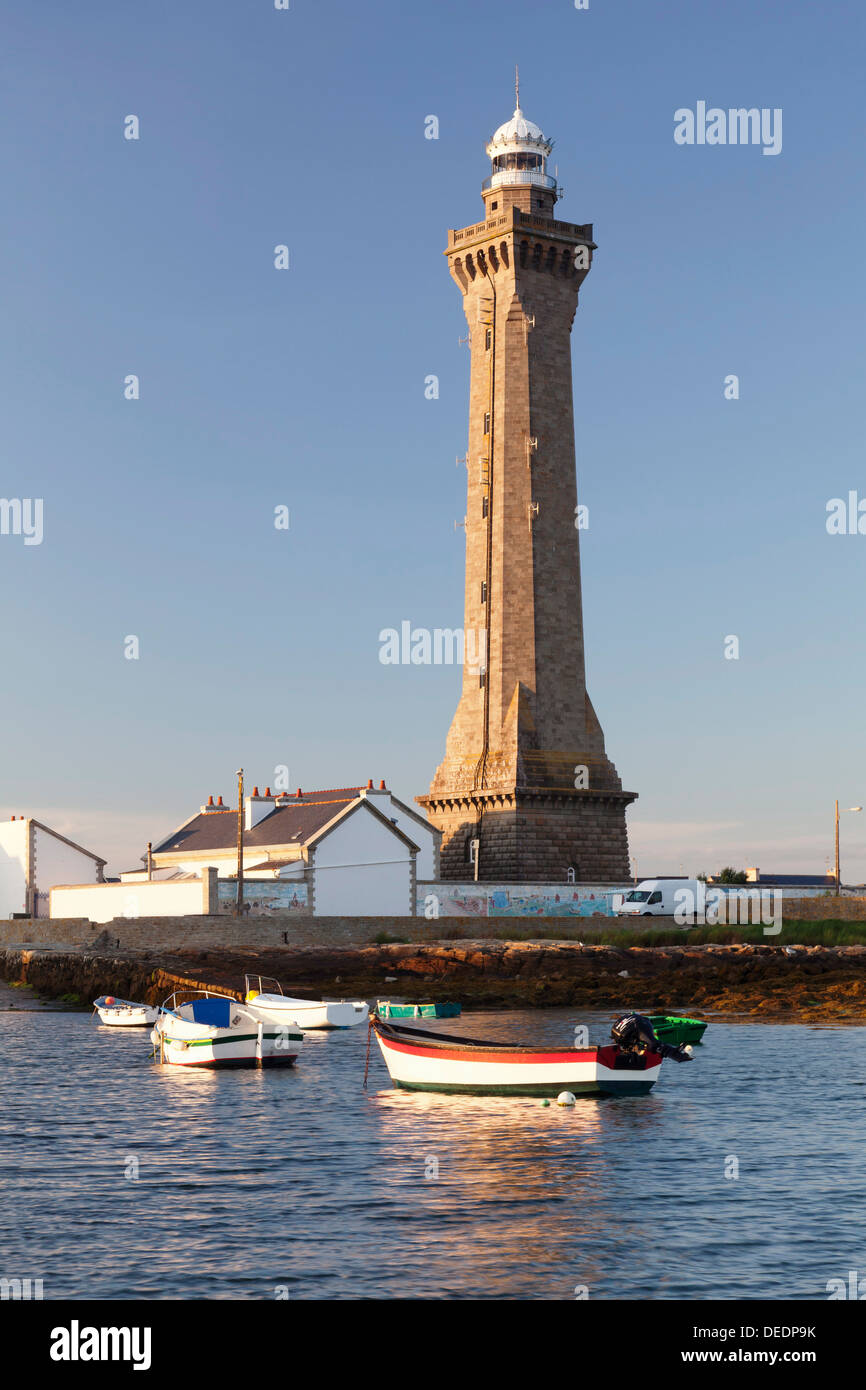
pixel 272 1006
pixel 123 1013
pixel 213 1030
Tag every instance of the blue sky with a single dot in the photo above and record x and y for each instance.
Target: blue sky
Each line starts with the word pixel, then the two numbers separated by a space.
pixel 306 388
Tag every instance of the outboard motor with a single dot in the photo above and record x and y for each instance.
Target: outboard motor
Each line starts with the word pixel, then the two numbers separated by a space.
pixel 634 1033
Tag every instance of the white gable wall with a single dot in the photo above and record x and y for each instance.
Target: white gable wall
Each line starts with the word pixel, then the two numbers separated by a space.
pixel 56 862
pixel 361 869
pixel 421 834
pixel 13 867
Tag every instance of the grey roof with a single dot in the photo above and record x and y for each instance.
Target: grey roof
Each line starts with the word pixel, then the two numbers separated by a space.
pixel 798 880
pixel 296 823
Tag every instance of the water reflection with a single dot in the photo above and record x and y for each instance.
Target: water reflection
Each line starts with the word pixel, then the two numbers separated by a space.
pixel 253 1179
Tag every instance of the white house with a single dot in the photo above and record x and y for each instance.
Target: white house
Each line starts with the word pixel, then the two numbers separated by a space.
pixel 355 851
pixel 33 858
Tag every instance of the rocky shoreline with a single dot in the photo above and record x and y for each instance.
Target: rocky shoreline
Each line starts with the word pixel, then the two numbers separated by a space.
pixel 815 983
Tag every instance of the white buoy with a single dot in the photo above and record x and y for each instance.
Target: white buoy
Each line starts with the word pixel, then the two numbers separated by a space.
pixel 565 1098
pixel 688 1050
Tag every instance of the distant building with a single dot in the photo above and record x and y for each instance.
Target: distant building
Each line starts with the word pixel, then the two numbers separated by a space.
pixel 33 859
pixel 823 881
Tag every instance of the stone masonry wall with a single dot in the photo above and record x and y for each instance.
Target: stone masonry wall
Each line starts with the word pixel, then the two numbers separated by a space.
pixel 209 933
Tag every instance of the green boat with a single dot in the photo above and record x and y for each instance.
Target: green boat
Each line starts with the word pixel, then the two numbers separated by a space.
pixel 385 1009
pixel 671 1028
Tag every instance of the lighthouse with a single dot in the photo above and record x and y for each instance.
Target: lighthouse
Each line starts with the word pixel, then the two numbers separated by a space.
pixel 525 791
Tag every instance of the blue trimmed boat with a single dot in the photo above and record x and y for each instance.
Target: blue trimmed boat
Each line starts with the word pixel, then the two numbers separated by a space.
pixel 197 1028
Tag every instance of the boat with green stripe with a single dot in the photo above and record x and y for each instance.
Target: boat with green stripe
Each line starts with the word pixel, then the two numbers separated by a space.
pixel 199 1028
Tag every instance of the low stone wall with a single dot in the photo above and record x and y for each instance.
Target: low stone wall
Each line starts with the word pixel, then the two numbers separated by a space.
pixel 260 933
pixel 825 908
pixel 189 933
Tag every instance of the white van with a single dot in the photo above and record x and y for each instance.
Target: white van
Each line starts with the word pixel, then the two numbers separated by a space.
pixel 654 897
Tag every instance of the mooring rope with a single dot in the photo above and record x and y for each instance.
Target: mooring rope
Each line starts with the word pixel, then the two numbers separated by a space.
pixel 369 1040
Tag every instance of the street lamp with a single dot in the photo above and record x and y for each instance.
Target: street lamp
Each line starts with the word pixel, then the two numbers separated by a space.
pixel 240 881
pixel 844 808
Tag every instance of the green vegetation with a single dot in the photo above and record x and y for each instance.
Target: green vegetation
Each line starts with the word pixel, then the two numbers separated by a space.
pixel 794 932
pixel 726 875
pixel 70 998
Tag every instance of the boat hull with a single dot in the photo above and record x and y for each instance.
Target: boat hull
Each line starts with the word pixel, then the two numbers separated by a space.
pixel 127 1017
pixel 272 1049
pixel 232 1052
pixel 522 1072
pixel 309 1014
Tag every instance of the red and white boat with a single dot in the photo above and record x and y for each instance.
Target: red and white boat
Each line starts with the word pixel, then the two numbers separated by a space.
pixel 422 1061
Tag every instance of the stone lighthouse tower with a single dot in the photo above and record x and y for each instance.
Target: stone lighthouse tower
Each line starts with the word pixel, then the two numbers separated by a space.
pixel 525 771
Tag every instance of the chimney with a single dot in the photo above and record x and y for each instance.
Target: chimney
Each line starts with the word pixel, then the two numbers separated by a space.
pixel 220 806
pixel 209 807
pixel 257 807
pixel 378 792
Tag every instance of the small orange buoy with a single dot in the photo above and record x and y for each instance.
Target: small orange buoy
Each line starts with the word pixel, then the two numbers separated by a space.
pixel 110 1000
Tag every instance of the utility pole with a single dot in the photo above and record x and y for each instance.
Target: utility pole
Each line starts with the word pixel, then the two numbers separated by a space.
pixel 149 860
pixel 240 905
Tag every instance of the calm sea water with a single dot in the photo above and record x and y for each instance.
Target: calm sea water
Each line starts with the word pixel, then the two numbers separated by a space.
pixel 251 1182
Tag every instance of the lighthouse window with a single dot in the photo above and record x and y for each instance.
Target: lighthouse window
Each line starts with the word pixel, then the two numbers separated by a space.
pixel 488 337
pixel 483 591
pixel 487 422
pixel 516 161
pixel 485 506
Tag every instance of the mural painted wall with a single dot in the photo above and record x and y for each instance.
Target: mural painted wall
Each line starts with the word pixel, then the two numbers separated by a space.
pixel 539 900
pixel 515 900
pixel 264 897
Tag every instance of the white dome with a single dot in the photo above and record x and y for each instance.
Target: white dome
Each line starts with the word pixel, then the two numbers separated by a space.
pixel 518 128
pixel 517 134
